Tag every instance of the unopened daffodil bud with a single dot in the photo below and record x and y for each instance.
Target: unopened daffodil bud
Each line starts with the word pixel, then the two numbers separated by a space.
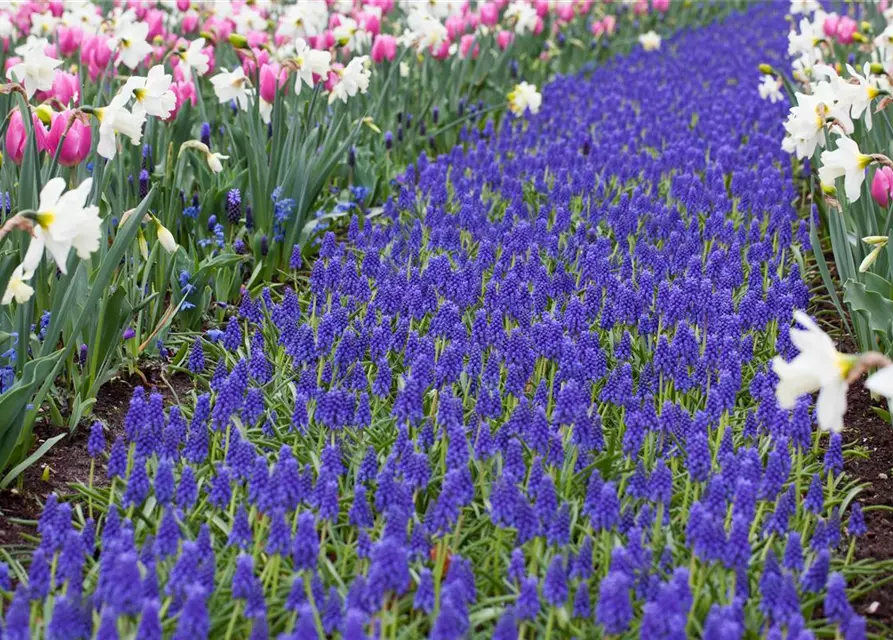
pixel 829 190
pixel 875 240
pixel 767 69
pixel 142 244
pixel 165 237
pixel 860 38
pixel 44 114
pixel 238 41
pixel 877 68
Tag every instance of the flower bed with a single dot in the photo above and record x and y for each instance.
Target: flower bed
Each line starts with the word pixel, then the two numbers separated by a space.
pixel 531 398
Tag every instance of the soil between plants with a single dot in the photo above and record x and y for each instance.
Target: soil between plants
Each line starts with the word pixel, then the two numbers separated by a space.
pixel 68 460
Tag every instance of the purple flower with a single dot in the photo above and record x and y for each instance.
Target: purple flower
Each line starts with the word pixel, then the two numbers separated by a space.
pixel 555 589
pixel 615 609
pixel 96 440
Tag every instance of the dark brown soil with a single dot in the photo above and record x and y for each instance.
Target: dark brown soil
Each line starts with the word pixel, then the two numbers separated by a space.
pixel 869 432
pixel 68 461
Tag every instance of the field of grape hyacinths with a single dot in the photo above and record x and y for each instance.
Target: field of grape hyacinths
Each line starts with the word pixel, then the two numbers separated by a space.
pixel 547 372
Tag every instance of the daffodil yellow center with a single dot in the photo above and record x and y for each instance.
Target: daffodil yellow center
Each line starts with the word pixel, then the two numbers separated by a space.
pixel 864 160
pixel 845 364
pixel 873 92
pixel 45 218
pixel 139 94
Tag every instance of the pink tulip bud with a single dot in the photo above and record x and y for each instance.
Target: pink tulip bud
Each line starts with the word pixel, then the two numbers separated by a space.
pixel 504 39
pixel 257 39
pixel 155 20
pixel 541 7
pixel 832 20
pixel 489 14
pixel 466 44
pixel 660 5
pixel 538 27
pixel 609 22
pixel 10 62
pixel 597 28
pixel 333 77
pixel 68 39
pixel 183 5
pixel 184 92
pixel 78 141
pixel 584 7
pixel 57 8
pixel 641 7
pixel 16 137
pixel 881 185
pixel 386 6
pixel 384 48
pixel 369 21
pixel 845 30
pixel 272 78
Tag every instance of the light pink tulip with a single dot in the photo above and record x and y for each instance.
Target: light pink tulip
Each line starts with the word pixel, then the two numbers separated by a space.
pixel 504 39
pixel 66 88
pixel 609 22
pixel 565 12
pixel 190 23
pixel 641 7
pixel 443 51
pixel 489 14
pixel 832 20
pixel 68 39
pixel 467 43
pixel 845 30
pixel 660 5
pixel 384 48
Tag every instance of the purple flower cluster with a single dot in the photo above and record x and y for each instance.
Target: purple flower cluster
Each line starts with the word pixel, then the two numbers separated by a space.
pixel 537 391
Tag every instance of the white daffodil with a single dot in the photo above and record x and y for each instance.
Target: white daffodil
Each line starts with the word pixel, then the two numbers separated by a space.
pixel 805 126
pixel 769 90
pixel 524 16
pixel 193 58
pixel 861 93
pixel 523 97
pixel 63 223
pixel 848 162
pixel 307 18
pixel 309 62
pixel 233 85
pixel 354 79
pixel 650 41
pixel 115 119
pixel 130 43
pixel 818 367
pixel 36 71
pixel 425 31
pixel 881 383
pixel 247 20
pixel 344 33
pixel 152 94
pixel 43 24
pixel 17 289
pixel 804 7
pixel 213 159
pixel 805 41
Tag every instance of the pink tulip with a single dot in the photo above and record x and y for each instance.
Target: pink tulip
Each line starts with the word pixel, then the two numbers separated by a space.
pixel 15 137
pixel 466 44
pixel 384 48
pixel 597 28
pixel 660 5
pixel 641 7
pixel 68 39
pixel 333 77
pixel 257 39
pixel 190 23
pixel 609 22
pixel 883 5
pixel 504 39
pixel 832 20
pixel 386 6
pixel 845 30
pixel 184 92
pixel 443 51
pixel 155 20
pixel 369 22
pixel 584 6
pixel 66 88
pixel 882 186
pixel 565 12
pixel 11 62
pixel 489 13
pixel 57 8
pixel 139 8
pixel 272 78
pixel 78 141
pixel 541 7
pixel 455 26
pixel 183 5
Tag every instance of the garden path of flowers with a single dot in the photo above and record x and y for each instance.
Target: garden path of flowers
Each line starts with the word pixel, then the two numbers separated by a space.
pixel 533 402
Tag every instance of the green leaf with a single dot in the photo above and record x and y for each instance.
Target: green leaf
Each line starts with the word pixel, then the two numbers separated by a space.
pixel 878 309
